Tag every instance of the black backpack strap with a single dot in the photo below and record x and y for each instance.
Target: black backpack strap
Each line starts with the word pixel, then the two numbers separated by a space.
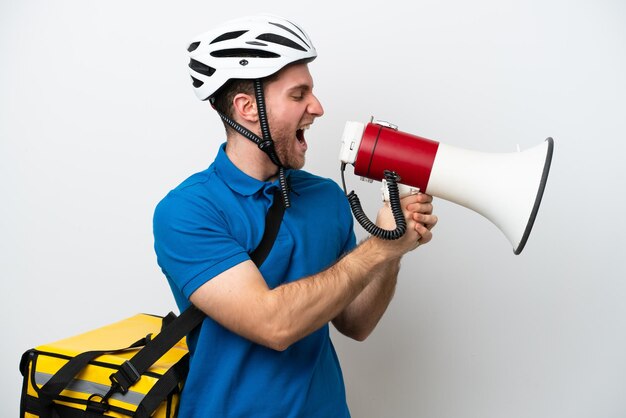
pixel 164 387
pixel 57 383
pixel 131 370
pixel 272 224
pixel 173 332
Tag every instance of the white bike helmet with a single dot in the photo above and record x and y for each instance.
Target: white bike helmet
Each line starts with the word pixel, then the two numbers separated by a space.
pixel 251 47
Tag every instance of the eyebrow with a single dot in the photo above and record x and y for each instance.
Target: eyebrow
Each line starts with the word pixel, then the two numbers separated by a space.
pixel 302 86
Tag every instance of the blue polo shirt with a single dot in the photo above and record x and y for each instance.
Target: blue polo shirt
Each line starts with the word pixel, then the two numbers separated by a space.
pixel 210 223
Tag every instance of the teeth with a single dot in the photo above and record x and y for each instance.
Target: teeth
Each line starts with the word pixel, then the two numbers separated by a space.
pixel 305 127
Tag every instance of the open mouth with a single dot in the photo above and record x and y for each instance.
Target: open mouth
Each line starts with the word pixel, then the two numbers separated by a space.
pixel 300 133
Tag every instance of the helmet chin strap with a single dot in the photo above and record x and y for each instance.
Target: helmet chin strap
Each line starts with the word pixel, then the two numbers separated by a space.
pixel 265 144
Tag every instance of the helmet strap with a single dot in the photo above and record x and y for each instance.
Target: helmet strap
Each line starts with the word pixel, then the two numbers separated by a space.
pixel 265 144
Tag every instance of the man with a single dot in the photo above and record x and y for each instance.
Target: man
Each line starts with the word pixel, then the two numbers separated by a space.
pixel 264 349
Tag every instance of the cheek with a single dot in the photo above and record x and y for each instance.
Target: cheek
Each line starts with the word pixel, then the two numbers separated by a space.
pixel 284 120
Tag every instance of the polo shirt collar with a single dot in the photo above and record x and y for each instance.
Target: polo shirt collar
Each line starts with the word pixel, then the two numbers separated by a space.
pixel 236 179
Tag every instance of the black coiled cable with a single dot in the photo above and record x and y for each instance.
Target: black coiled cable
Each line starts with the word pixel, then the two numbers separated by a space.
pixel 394 201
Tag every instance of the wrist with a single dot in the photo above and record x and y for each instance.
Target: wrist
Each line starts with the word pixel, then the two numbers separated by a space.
pixel 378 252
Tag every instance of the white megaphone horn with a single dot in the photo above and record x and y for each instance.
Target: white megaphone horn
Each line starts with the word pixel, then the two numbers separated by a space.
pixel 506 188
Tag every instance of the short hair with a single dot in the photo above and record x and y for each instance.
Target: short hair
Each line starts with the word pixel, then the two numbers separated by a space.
pixel 223 99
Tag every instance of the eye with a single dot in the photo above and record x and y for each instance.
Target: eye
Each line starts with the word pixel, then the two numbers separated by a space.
pixel 298 93
pixel 297 96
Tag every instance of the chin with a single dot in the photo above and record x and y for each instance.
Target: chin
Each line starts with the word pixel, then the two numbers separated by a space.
pixel 295 166
pixel 300 164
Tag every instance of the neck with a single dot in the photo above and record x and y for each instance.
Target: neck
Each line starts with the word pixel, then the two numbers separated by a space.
pixel 247 157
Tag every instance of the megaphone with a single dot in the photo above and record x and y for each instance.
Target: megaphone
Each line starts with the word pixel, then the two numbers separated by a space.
pixel 506 188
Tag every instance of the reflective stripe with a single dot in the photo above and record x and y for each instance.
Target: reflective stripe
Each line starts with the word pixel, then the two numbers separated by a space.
pixel 89 388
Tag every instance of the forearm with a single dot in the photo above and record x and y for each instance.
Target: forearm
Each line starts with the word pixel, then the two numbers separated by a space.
pixel 361 316
pixel 240 300
pixel 310 303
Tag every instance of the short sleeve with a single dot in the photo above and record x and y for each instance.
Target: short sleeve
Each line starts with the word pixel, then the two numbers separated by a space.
pixel 192 241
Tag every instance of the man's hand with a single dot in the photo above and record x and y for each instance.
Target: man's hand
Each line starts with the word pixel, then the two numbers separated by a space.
pixel 422 213
pixel 420 220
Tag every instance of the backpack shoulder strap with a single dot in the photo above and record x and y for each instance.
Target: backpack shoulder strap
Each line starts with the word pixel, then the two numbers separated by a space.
pixel 273 220
pixel 175 330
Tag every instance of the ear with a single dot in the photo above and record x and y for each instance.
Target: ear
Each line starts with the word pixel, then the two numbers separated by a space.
pixel 244 106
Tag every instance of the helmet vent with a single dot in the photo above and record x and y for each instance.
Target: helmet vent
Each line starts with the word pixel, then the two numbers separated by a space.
pixel 228 35
pixel 281 40
pixel 193 46
pixel 256 43
pixel 290 31
pixel 201 68
pixel 197 83
pixel 243 53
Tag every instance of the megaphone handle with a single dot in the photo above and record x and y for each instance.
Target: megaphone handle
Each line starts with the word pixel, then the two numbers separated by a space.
pixel 396 208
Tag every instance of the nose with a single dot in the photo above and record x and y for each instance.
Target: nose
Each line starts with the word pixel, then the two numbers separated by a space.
pixel 315 107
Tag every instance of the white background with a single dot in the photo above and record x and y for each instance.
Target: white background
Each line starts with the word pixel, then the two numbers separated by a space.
pixel 98 122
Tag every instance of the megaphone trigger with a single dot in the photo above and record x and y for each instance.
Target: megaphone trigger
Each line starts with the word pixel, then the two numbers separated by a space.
pixel 403 189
